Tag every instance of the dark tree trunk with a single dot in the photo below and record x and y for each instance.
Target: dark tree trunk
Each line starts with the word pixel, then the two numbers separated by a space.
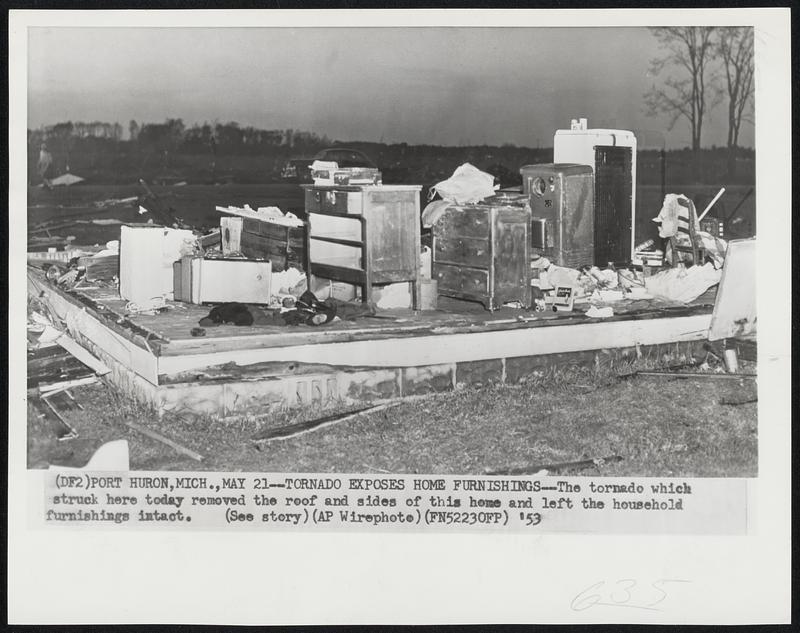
pixel 731 164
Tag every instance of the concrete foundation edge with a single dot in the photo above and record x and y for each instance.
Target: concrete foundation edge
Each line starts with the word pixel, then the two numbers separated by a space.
pixel 318 389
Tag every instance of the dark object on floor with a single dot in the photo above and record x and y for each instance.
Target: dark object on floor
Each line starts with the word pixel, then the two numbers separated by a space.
pixel 292 430
pixel 308 311
pixel 197 331
pixel 554 468
pixel 311 311
pixel 235 314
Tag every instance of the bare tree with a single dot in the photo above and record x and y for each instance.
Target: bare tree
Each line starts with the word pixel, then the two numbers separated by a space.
pixel 688 49
pixel 735 49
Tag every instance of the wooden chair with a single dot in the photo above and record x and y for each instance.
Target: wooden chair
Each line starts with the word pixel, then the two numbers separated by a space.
pixel 676 252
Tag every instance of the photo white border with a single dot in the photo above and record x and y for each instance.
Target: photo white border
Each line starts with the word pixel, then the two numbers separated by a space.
pixel 360 578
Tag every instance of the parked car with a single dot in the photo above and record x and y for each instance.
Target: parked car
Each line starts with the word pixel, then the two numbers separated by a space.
pixel 298 169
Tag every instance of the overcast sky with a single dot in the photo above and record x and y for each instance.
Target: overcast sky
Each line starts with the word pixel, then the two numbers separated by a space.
pixel 433 85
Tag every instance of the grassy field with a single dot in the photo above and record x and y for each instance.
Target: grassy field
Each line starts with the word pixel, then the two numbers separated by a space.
pixel 659 426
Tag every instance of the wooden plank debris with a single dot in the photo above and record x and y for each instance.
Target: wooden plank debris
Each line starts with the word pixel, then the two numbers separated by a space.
pixel 210 240
pixel 54 365
pixel 735 311
pixel 70 433
pixel 231 232
pixel 82 354
pixel 738 401
pixel 53 388
pixel 165 440
pixel 691 374
pixel 293 430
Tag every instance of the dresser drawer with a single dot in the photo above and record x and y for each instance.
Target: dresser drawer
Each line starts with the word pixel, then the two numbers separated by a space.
pixel 471 251
pixel 464 222
pixel 333 201
pixel 463 281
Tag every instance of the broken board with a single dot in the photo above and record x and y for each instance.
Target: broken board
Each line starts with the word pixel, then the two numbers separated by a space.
pixel 735 307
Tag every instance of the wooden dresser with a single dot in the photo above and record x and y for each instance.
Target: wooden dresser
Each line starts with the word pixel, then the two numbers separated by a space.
pixel 481 252
pixel 365 235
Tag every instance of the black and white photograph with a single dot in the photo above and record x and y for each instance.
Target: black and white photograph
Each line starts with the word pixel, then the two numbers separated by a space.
pixel 520 254
pixel 458 272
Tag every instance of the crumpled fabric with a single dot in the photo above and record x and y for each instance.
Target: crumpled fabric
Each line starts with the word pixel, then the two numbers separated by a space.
pixel 287 280
pixel 561 276
pixel 268 212
pixel 683 284
pixel 677 210
pixel 715 248
pixel 600 313
pixel 468 184
pixel 433 211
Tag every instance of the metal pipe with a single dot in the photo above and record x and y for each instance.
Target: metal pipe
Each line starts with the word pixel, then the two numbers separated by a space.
pixel 711 204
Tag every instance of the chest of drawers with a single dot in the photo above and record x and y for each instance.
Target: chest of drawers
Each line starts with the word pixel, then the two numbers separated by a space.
pixel 481 252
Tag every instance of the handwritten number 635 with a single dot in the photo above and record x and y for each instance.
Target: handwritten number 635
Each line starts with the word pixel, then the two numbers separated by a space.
pixel 625 592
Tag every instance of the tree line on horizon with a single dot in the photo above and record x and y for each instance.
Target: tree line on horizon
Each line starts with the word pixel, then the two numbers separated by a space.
pixel 702 67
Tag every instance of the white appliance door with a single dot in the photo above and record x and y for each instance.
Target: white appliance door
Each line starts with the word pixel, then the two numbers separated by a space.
pixel 234 280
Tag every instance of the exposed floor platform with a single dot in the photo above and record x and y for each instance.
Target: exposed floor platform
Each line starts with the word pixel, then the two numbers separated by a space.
pixel 235 369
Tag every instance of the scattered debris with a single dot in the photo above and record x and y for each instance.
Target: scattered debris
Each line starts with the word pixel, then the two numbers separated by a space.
pixel 550 469
pixel 99 268
pixel 44 407
pixel 80 352
pixel 51 389
pixel 54 365
pixel 293 430
pixel 115 202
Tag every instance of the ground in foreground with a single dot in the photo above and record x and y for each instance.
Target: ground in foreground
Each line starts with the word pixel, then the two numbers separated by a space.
pixel 659 426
